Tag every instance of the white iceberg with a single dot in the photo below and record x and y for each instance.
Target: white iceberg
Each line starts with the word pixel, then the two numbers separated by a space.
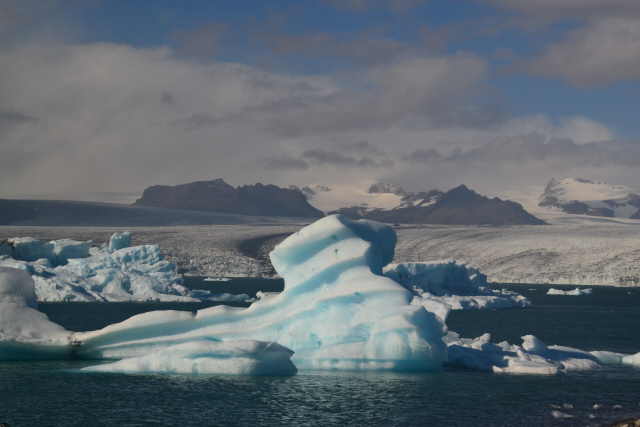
pixel 26 333
pixel 573 292
pixel 532 357
pixel 68 270
pixel 119 241
pixel 455 285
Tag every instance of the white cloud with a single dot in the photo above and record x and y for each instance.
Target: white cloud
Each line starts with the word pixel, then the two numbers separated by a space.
pixel 113 117
pixel 602 52
pixel 578 129
pixel 574 9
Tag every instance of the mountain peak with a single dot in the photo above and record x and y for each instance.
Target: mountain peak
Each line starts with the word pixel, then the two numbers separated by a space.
pixel 588 197
pixel 218 196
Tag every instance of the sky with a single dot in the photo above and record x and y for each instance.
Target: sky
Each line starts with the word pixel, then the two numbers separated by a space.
pixel 112 96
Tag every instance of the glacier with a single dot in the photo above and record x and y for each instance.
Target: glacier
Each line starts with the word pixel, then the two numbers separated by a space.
pixel 69 270
pixel 340 310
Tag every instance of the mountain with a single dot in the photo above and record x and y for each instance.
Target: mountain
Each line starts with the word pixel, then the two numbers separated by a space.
pixel 460 206
pixel 218 196
pixel 391 203
pixel 582 196
pixel 359 201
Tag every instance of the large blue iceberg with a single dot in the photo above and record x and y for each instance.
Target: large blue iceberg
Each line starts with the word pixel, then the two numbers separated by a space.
pixel 337 312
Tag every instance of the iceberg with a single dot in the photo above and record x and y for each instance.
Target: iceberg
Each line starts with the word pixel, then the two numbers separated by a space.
pixel 119 241
pixel 454 285
pixel 532 357
pixel 68 270
pixel 337 311
pixel 26 333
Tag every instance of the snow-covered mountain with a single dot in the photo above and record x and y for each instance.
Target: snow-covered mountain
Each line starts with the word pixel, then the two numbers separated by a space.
pixel 366 199
pixel 392 204
pixel 582 196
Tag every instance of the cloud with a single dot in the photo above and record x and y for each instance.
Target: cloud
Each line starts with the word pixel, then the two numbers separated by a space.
pixel 603 52
pixel 429 92
pixel 200 42
pixel 285 163
pixel 572 9
pixel 110 117
pixel 579 129
pixel 424 156
pixel 366 48
pixel 11 118
pixel 517 162
pixel 363 5
pixel 335 158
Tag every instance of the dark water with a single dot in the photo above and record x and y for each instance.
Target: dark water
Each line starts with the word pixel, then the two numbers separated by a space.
pixel 55 394
pixel 608 319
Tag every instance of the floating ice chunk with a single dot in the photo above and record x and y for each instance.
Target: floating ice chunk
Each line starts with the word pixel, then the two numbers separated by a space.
pixel 56 251
pixel 26 333
pixel 528 365
pixel 66 249
pixel 608 357
pixel 336 311
pixel 217 279
pixel 560 415
pixel 29 249
pixel 532 357
pixel 438 278
pixel 633 359
pixel 209 357
pixel 456 286
pixel 119 241
pixel 67 270
pixel 573 292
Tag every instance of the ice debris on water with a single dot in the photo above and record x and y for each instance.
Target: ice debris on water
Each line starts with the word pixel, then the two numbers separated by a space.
pixel 532 357
pixel 573 292
pixel 560 415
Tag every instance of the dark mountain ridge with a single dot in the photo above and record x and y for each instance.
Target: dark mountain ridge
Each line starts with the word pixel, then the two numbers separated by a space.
pixel 218 196
pixel 458 206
